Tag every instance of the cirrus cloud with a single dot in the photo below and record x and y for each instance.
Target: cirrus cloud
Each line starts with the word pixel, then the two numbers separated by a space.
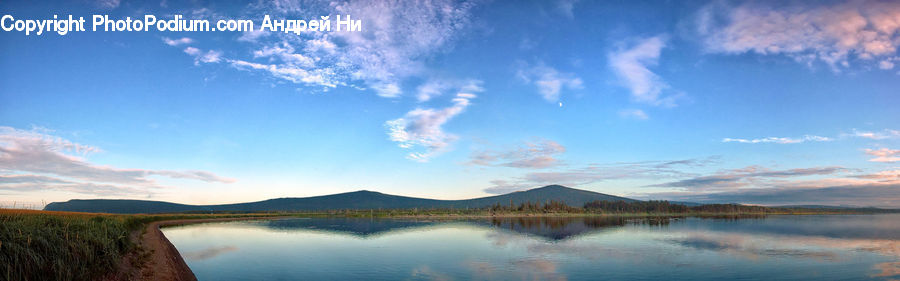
pixel 836 33
pixel 745 176
pixel 780 140
pixel 632 65
pixel 422 128
pixel 758 185
pixel 593 173
pixel 34 160
pixel 549 81
pixel 884 155
pixel 396 40
pixel 537 154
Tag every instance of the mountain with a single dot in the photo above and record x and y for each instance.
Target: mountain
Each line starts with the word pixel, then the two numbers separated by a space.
pixel 571 196
pixel 359 200
pixel 814 207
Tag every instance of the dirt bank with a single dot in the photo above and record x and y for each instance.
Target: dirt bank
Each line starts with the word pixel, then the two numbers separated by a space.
pixel 157 256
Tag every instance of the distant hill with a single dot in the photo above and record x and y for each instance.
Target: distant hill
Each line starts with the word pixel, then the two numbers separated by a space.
pixel 359 200
pixel 571 196
pixel 813 207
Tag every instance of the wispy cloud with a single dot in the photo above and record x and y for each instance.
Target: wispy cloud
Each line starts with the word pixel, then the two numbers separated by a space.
pixel 422 127
pixel 537 154
pixel 437 86
pixel 871 195
pixel 601 172
pixel 633 114
pixel 396 40
pixel 874 135
pixel 210 56
pixel 200 56
pixel 884 155
pixel 177 42
pixel 566 7
pixel 780 140
pixel 832 32
pixel 883 177
pixel 108 4
pixel 755 185
pixel 297 75
pixel 632 65
pixel 549 81
pixel 35 179
pixel 35 160
pixel 731 179
pixel 96 189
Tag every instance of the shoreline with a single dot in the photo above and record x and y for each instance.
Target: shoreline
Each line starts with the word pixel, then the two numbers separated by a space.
pixel 163 261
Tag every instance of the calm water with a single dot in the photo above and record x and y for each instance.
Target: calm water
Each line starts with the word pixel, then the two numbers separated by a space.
pixel 849 247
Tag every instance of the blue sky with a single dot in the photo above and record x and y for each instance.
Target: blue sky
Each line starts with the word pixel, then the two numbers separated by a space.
pixel 749 102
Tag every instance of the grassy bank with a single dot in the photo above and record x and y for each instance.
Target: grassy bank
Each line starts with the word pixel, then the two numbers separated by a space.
pixel 61 246
pixel 39 245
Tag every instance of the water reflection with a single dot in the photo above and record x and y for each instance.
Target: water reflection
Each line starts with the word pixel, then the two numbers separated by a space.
pixel 551 228
pixel 546 248
pixel 557 228
pixel 210 252
pixel 362 227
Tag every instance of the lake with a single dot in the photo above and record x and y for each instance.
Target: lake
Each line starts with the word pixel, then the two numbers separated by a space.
pixel 822 247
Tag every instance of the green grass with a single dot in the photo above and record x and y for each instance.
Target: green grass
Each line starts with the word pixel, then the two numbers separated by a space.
pixel 37 245
pixel 41 246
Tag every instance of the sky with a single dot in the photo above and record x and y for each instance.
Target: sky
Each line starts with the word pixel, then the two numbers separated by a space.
pixel 766 102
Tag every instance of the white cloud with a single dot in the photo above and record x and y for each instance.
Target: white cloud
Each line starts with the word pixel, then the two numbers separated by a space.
pixel 296 75
pixel 35 160
pixel 396 40
pixel 634 114
pixel 780 140
pixel 874 135
pixel 884 155
pixel 431 88
pixel 422 128
pixel 252 36
pixel 537 154
pixel 883 194
pixel 751 175
pixel 176 42
pixel 210 56
pixel 548 80
pixel 632 65
pixel 832 32
pixel 601 172
pixel 436 87
pixel 192 51
pixel 108 4
pixel 566 7
pixel 286 53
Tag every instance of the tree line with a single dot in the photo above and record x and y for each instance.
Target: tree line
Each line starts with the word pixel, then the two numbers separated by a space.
pixel 622 207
